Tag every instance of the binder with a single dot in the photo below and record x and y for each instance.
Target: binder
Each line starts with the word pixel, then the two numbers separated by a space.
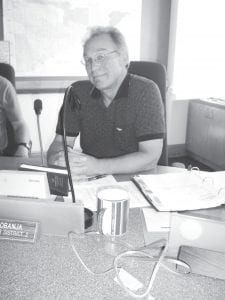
pixel 188 190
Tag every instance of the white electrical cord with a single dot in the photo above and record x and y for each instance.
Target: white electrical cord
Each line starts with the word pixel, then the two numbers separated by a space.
pixel 139 253
pixel 70 236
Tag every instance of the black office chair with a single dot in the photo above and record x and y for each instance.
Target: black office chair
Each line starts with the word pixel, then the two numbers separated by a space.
pixel 157 73
pixel 7 71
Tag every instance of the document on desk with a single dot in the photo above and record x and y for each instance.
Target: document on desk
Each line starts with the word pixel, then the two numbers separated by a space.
pixel 86 192
pixel 85 189
pixel 216 179
pixel 94 180
pixel 181 191
pixel 136 198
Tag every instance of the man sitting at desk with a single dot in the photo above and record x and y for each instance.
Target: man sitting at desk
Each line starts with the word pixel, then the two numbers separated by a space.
pixel 10 109
pixel 119 116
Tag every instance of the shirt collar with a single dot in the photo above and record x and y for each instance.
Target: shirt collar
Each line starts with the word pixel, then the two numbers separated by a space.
pixel 122 91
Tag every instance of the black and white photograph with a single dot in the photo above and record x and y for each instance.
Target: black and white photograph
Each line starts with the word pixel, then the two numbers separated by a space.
pixel 112 149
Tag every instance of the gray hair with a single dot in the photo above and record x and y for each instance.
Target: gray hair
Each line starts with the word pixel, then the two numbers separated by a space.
pixel 116 36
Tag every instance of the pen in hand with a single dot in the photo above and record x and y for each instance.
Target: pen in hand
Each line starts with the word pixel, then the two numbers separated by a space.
pixel 96 177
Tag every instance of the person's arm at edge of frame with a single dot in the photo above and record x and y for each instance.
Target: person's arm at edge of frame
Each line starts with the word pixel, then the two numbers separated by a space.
pixel 14 114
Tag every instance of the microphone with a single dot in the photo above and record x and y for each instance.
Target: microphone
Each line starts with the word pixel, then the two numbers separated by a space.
pixel 38 109
pixel 38 106
pixel 75 105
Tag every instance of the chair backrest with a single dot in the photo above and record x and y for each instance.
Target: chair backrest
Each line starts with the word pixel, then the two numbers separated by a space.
pixel 157 73
pixel 7 71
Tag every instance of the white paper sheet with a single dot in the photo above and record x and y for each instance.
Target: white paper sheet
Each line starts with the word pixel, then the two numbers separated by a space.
pixel 106 180
pixel 156 221
pixel 182 191
pixel 136 197
pixel 86 192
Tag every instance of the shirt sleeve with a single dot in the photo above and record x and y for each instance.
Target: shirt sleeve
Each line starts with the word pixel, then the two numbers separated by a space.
pixel 150 121
pixel 11 104
pixel 14 114
pixel 72 117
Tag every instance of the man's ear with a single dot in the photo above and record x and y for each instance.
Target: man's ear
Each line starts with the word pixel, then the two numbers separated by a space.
pixel 125 59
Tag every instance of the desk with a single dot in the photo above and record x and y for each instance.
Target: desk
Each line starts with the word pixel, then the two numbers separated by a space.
pixel 49 269
pixel 13 163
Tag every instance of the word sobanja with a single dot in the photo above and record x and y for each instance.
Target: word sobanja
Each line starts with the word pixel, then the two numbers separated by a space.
pixel 12 226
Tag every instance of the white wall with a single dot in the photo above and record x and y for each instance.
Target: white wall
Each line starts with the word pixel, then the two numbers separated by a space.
pixel 48 118
pixel 177 112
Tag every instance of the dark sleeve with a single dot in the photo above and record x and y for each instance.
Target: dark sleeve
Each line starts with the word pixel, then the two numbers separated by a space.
pixel 72 123
pixel 150 122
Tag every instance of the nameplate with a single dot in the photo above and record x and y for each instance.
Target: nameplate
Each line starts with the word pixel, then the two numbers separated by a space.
pixel 16 230
pixel 53 217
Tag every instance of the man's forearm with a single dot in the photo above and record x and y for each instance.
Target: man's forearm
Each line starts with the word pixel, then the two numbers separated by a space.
pixel 129 163
pixel 145 158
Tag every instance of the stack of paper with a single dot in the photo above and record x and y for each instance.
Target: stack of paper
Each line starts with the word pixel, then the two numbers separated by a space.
pixel 183 191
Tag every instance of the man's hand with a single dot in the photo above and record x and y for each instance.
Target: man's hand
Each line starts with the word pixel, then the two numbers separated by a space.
pixel 83 164
pixel 22 151
pixel 58 159
pixel 80 163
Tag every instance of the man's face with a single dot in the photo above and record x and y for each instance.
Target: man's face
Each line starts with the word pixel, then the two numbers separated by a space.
pixel 104 64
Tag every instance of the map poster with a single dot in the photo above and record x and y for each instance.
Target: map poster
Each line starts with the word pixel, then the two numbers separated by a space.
pixel 4 51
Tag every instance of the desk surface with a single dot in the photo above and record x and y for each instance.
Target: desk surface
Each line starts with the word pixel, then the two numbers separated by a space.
pixel 49 269
pixel 13 163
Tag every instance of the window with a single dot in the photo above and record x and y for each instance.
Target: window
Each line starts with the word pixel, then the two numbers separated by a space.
pixel 46 35
pixel 199 61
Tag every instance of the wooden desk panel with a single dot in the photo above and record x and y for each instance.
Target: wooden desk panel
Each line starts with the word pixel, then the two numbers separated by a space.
pixel 204 262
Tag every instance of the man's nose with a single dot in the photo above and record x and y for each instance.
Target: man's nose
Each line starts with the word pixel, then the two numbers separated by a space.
pixel 94 65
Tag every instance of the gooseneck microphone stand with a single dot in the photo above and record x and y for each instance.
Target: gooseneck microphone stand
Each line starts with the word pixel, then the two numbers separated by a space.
pixel 75 105
pixel 38 109
pixel 65 101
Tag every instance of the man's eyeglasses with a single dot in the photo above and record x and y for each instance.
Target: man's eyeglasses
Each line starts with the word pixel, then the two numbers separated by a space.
pixel 98 58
